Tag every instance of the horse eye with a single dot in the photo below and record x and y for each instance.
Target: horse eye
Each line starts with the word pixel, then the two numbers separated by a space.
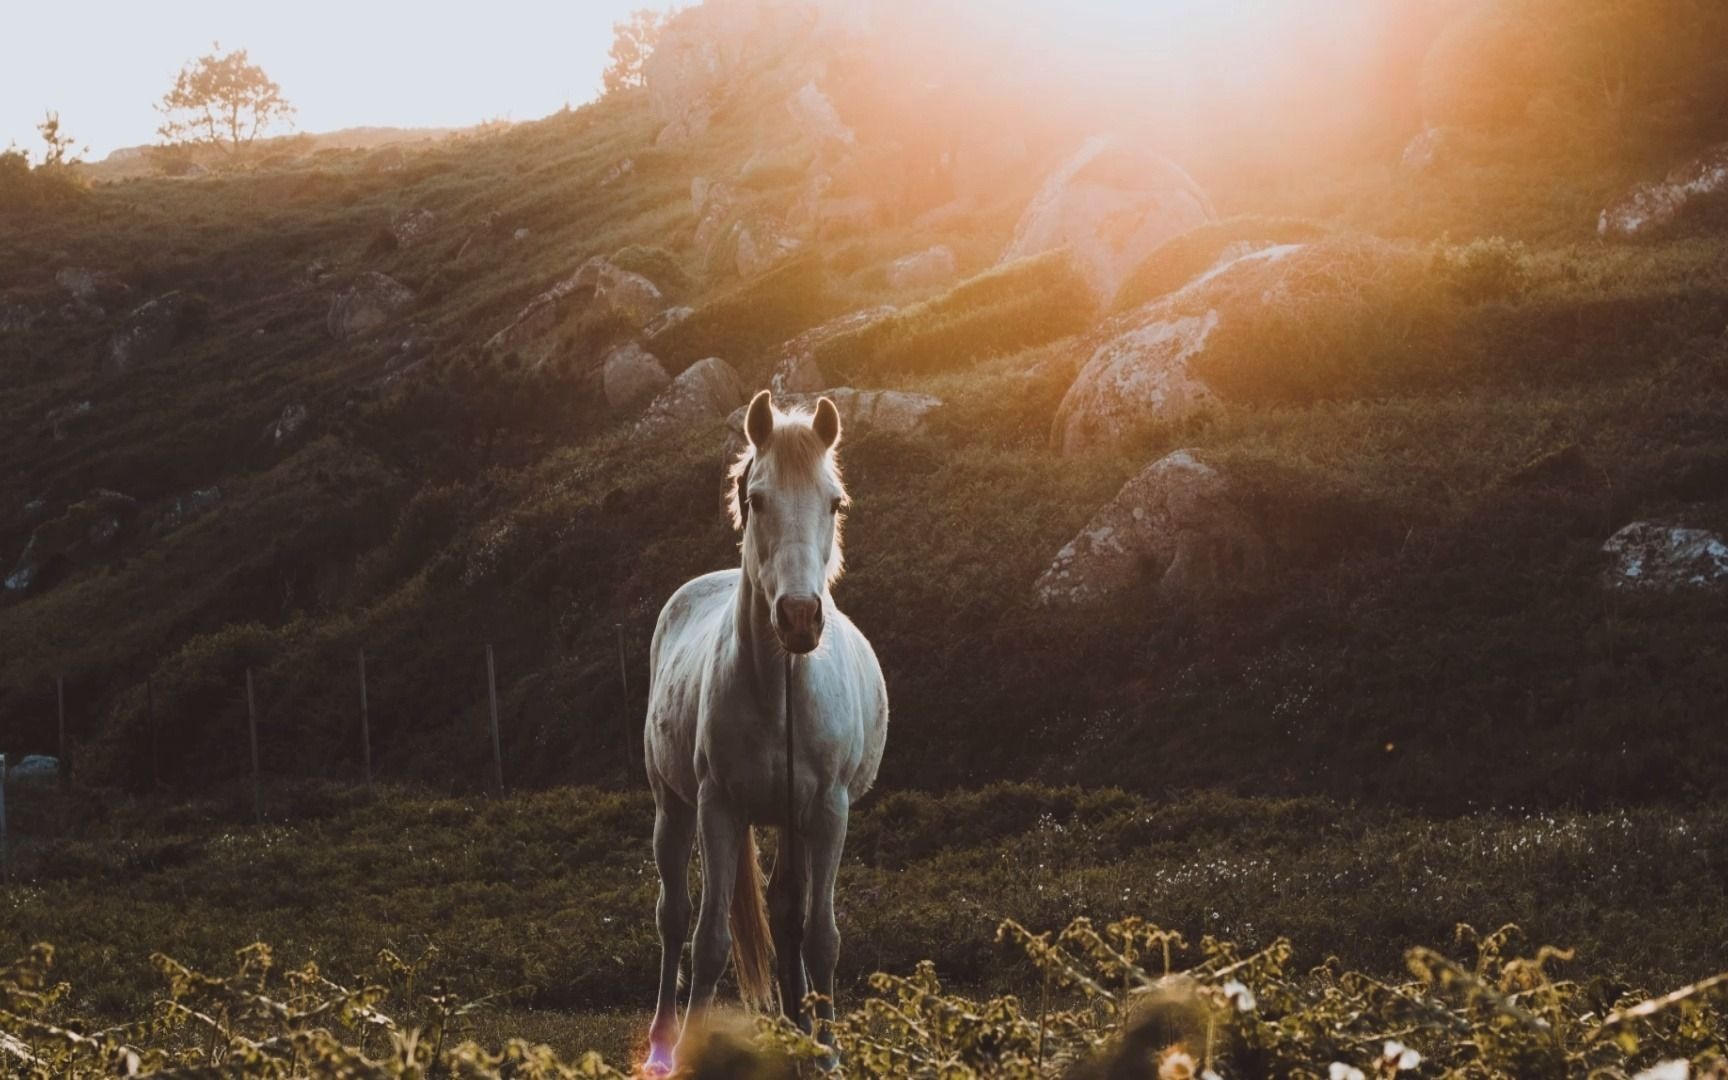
pixel 755 502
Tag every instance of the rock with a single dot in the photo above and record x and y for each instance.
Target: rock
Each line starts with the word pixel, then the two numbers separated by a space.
pixel 1428 150
pixel 795 370
pixel 34 770
pixel 413 226
pixel 93 287
pixel 1177 522
pixel 665 321
pixel 147 334
pixel 761 244
pixel 816 118
pixel 1111 204
pixel 1652 557
pixel 16 317
pixel 521 234
pixel 618 171
pixel 194 504
pixel 924 269
pixel 596 288
pixel 862 412
pixel 1653 208
pixel 702 52
pixel 1136 367
pixel 316 271
pixel 706 390
pixel 90 524
pixel 631 375
pixel 369 302
pixel 282 430
pixel 64 420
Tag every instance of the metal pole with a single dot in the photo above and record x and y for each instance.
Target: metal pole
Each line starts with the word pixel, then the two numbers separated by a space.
pixel 252 729
pixel 365 725
pixel 624 678
pixel 492 697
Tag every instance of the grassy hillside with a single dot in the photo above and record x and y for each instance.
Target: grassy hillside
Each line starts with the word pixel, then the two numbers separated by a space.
pixel 1433 633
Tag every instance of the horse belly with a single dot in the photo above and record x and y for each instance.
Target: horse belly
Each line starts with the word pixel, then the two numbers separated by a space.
pixel 684 641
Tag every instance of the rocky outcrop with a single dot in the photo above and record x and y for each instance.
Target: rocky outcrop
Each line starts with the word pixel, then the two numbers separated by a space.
pixel 17 316
pixel 412 226
pixel 597 288
pixel 1138 367
pixel 630 376
pixel 92 292
pixel 924 269
pixel 1653 557
pixel 148 333
pixel 703 52
pixel 1111 204
pixel 816 118
pixel 706 390
pixel 369 302
pixel 1656 207
pixel 795 369
pixel 91 524
pixel 1178 524
pixel 759 243
pixel 862 412
pixel 184 508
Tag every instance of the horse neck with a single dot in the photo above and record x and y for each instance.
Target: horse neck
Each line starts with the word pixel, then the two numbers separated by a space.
pixel 759 653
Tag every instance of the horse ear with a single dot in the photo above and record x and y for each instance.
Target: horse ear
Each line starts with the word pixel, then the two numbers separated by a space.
pixel 827 423
pixel 759 422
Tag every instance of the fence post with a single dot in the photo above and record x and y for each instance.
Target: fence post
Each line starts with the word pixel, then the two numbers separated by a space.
pixel 492 698
pixel 252 730
pixel 65 769
pixel 624 678
pixel 365 725
pixel 150 724
pixel 5 867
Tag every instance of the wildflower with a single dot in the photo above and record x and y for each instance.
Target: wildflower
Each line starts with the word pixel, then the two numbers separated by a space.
pixel 1176 1064
pixel 1237 992
pixel 1678 1069
pixel 1341 1071
pixel 1399 1055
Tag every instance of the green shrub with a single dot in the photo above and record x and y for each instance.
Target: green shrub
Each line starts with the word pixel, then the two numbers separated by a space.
pixel 1183 258
pixel 23 188
pixel 657 265
pixel 752 316
pixel 1004 310
pixel 1489 268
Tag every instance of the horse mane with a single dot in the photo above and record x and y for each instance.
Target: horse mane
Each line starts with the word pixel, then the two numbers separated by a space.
pixel 796 448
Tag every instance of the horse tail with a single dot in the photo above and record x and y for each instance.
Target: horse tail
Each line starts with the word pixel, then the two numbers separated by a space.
pixel 752 938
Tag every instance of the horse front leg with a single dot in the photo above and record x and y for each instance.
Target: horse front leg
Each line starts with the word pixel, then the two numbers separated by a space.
pixel 794 976
pixel 722 831
pixel 827 836
pixel 674 835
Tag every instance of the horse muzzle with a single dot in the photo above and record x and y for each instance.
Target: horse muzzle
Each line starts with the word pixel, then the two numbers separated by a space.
pixel 798 623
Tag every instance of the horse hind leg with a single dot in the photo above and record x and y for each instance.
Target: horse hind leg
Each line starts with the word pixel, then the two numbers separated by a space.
pixel 674 835
pixel 794 979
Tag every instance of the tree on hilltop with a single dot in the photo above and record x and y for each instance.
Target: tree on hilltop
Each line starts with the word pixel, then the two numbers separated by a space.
pixel 632 41
pixel 222 99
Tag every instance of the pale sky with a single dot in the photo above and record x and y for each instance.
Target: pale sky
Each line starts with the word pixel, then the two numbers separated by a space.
pixel 351 63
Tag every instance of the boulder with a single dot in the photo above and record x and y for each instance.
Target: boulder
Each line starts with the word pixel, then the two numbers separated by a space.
pixel 34 770
pixel 412 226
pixel 814 115
pixel 1655 207
pixel 1137 367
pixel 521 234
pixel 631 376
pixel 369 302
pixel 706 390
pixel 67 418
pixel 760 244
pixel 1111 204
pixel 90 524
pixel 795 370
pixel 705 49
pixel 862 412
pixel 1654 557
pixel 665 321
pixel 596 288
pixel 1178 524
pixel 16 316
pixel 617 171
pixel 924 270
pixel 184 508
pixel 283 429
pixel 147 334
pixel 92 287
pixel 1427 150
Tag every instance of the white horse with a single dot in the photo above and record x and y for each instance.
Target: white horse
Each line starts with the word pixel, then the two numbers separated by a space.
pixel 716 739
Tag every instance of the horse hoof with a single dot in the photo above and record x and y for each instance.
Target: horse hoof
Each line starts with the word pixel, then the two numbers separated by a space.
pixel 659 1062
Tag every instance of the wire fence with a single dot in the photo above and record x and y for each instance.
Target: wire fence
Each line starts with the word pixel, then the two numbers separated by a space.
pixel 32 770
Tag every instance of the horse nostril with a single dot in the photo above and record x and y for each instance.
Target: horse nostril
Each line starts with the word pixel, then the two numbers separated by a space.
pixel 799 616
